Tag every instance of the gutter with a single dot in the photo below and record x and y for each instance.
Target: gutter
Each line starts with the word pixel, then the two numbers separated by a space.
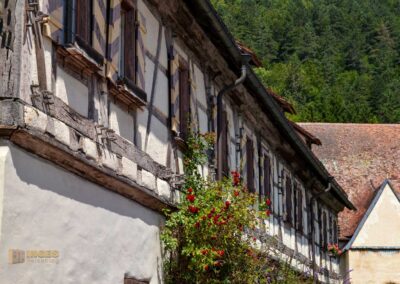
pixel 211 23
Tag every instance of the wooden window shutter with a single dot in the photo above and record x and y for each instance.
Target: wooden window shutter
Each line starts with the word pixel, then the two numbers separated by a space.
pixel 330 224
pixel 288 195
pixel 184 100
pixel 320 225
pixel 295 204
pixel 250 165
pixel 83 20
pixel 335 231
pixel 300 210
pixel 267 176
pixel 224 133
pixel 129 45
pixel 325 231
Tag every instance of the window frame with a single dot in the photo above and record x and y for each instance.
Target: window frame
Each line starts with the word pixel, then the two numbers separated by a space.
pixel 71 35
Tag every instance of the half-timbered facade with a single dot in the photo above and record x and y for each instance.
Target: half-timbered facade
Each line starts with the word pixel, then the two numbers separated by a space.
pixel 96 101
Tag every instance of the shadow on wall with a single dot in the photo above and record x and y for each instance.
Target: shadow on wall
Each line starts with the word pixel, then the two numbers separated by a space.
pixel 36 171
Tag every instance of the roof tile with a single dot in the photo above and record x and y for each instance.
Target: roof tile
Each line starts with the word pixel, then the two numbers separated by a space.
pixel 360 157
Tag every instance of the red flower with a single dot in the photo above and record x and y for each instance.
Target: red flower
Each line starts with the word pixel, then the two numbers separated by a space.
pixel 268 201
pixel 217 263
pixel 236 193
pixel 197 225
pixel 204 251
pixel 254 239
pixel 212 210
pixel 190 190
pixel 206 267
pixel 193 209
pixel 268 212
pixel 221 252
pixel 216 217
pixel 190 197
pixel 227 204
pixel 235 178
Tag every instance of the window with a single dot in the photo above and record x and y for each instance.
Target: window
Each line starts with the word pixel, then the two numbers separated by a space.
pixel 83 22
pixel 127 62
pixel 288 195
pixel 224 144
pixel 78 27
pixel 184 100
pixel 299 221
pixel 250 165
pixel 335 231
pixel 267 177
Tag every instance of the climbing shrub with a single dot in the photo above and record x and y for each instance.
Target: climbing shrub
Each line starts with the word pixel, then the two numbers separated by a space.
pixel 212 235
pixel 207 239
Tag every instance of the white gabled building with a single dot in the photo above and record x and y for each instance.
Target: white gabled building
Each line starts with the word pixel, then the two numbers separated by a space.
pixel 373 253
pixel 95 99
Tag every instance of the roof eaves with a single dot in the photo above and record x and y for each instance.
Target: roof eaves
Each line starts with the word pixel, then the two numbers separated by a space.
pixel 209 19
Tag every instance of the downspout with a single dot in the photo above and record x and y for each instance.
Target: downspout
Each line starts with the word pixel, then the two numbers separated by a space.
pixel 239 81
pixel 312 199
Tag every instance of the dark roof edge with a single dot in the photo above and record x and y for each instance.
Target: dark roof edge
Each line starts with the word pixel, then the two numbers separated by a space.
pixel 223 39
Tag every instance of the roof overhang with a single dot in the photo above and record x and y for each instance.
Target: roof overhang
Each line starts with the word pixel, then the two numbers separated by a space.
pixel 213 26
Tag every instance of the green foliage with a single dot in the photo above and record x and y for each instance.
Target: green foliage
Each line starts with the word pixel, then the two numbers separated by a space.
pixel 336 61
pixel 211 237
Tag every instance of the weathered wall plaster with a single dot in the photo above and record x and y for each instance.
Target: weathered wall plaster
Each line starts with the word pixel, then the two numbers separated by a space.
pixel 99 235
pixel 382 228
pixel 374 267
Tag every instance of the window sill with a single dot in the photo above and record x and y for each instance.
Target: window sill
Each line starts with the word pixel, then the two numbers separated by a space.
pixel 128 93
pixel 79 58
pixel 181 143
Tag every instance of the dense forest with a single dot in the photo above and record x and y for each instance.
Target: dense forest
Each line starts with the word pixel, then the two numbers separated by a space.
pixel 335 60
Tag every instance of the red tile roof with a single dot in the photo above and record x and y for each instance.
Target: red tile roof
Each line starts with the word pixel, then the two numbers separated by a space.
pixel 360 157
pixel 254 58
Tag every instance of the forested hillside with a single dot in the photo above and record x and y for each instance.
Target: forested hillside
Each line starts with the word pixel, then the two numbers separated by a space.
pixel 335 60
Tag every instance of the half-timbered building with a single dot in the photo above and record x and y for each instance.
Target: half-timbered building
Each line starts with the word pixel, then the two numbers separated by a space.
pixel 96 101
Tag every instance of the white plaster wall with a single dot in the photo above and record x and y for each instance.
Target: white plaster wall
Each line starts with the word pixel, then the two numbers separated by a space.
pixel 201 90
pixel 382 227
pixel 203 121
pixel 122 122
pixel 157 145
pixel 151 27
pixel 163 52
pixel 72 92
pixel 374 267
pixel 161 100
pixel 4 151
pixel 99 234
